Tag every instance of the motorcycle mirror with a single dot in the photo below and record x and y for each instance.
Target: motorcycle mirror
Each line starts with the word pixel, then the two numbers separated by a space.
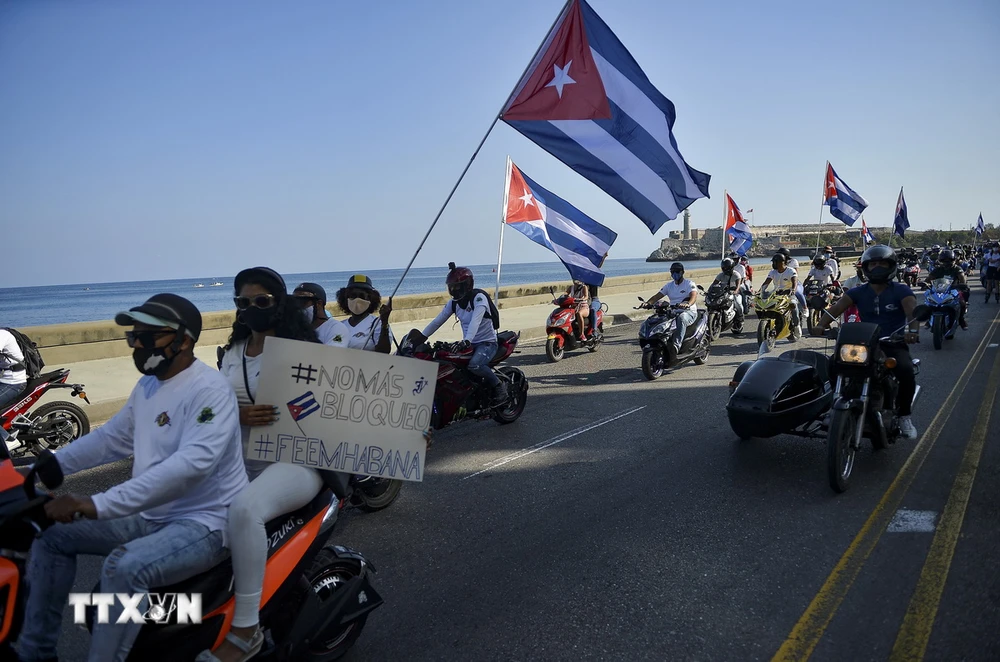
pixel 922 313
pixel 640 299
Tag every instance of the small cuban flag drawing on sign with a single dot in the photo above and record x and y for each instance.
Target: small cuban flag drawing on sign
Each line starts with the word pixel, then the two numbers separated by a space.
pixel 302 406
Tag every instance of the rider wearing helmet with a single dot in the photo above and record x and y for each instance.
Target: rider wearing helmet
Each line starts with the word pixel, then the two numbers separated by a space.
pixel 946 268
pixel 821 272
pixel 682 294
pixel 732 280
pixel 793 264
pixel 890 305
pixel 831 261
pixel 786 281
pixel 992 261
pixel 474 310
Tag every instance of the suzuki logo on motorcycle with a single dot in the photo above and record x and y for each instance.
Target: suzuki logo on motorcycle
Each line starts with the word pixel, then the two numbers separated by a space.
pixel 160 607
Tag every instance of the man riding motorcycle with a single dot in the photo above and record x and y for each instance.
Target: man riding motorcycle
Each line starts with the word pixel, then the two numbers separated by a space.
pixel 946 268
pixel 785 280
pixel 473 309
pixel 682 293
pixel 732 279
pixel 890 305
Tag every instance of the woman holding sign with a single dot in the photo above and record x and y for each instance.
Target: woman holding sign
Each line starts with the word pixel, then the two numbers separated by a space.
pixel 264 309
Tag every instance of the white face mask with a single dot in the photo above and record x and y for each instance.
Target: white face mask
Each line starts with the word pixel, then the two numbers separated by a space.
pixel 310 314
pixel 358 306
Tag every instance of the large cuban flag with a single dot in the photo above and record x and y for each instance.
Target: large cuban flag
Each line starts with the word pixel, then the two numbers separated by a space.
pixel 586 101
pixel 737 230
pixel 845 204
pixel 580 242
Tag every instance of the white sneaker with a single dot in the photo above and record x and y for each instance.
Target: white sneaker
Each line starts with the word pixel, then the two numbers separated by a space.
pixel 907 428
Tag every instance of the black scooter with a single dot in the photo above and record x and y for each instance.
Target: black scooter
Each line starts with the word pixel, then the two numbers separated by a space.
pixel 656 340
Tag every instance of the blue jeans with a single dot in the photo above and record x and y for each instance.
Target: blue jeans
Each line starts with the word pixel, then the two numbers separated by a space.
pixel 479 364
pixel 595 305
pixel 685 318
pixel 9 393
pixel 140 555
pixel 801 296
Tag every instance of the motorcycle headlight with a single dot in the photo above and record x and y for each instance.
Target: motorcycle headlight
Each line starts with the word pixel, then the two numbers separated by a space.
pixel 853 354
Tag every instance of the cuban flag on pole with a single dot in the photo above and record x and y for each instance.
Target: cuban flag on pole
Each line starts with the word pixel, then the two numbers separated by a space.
pixel 866 235
pixel 845 204
pixel 980 227
pixel 579 241
pixel 737 230
pixel 586 101
pixel 901 221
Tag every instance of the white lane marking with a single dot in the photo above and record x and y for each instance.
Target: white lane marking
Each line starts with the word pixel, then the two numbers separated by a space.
pixel 552 442
pixel 913 521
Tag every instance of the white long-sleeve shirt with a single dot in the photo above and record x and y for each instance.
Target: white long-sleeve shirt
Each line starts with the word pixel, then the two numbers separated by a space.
pixel 476 323
pixel 185 435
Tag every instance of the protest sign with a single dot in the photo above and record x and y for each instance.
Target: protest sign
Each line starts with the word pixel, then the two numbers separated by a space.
pixel 344 409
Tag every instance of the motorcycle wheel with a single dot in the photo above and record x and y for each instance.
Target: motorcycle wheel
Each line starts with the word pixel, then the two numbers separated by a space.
pixel 377 493
pixel 68 423
pixel 597 345
pixel 938 330
pixel 329 573
pixel 519 398
pixel 652 364
pixel 714 325
pixel 815 316
pixel 766 334
pixel 839 452
pixel 554 350
pixel 706 350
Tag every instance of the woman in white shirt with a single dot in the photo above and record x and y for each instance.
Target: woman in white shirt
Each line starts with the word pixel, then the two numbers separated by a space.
pixel 365 330
pixel 264 309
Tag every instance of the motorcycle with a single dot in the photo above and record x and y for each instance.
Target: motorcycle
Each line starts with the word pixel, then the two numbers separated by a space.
pixel 317 603
pixel 774 311
pixel 945 305
pixel 657 332
pixel 910 273
pixel 50 426
pixel 818 299
pixel 459 394
pixel 721 304
pixel 560 331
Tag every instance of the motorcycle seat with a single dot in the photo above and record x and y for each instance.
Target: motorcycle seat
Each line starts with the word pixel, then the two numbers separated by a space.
pixel 690 331
pixel 41 379
pixel 820 362
pixel 502 339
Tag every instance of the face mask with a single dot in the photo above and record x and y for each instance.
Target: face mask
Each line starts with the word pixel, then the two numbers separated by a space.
pixel 677 276
pixel 358 306
pixel 257 319
pixel 310 314
pixel 152 361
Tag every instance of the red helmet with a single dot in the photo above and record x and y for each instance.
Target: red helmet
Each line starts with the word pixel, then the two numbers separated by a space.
pixel 459 281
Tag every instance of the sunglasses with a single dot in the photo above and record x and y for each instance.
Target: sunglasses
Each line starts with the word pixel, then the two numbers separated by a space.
pixel 145 338
pixel 259 301
pixel 306 300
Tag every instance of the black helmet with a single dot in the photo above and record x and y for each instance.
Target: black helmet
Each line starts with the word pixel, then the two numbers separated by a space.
pixel 784 251
pixel 776 258
pixel 727 266
pixel 819 261
pixel 947 256
pixel 880 275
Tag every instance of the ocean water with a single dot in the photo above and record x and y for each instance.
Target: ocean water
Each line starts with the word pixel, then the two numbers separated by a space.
pixel 85 302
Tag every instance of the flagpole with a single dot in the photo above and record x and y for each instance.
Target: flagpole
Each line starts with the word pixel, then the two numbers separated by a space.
pixel 819 233
pixel 503 224
pixel 725 219
pixel 479 147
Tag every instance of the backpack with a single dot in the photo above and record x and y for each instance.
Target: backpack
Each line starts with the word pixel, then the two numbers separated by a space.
pixel 32 362
pixel 494 313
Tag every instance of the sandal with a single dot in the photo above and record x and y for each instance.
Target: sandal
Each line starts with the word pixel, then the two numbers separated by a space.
pixel 250 648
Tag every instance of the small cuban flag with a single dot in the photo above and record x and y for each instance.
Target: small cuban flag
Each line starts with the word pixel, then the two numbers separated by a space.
pixel 866 235
pixel 980 227
pixel 303 406
pixel 902 220
pixel 737 230
pixel 845 204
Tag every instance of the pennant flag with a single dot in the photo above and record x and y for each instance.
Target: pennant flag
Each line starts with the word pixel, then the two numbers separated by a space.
pixel 980 226
pixel 845 204
pixel 866 236
pixel 303 405
pixel 901 222
pixel 586 101
pixel 738 232
pixel 580 242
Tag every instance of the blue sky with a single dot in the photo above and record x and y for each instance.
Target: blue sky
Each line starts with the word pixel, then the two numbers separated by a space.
pixel 190 139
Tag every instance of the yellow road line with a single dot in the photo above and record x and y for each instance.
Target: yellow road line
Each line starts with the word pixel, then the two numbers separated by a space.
pixel 813 623
pixel 915 633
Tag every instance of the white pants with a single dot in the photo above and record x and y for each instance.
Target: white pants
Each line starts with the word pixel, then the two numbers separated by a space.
pixel 280 488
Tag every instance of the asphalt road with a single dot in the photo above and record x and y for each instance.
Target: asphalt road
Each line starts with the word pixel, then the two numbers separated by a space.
pixel 620 519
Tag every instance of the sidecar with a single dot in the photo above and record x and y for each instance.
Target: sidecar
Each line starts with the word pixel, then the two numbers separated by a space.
pixel 786 394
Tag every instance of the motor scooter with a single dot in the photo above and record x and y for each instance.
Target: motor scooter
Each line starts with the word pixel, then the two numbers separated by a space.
pixel 561 331
pixel 656 339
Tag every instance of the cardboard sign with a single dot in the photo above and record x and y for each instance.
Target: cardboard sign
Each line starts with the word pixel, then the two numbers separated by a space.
pixel 344 409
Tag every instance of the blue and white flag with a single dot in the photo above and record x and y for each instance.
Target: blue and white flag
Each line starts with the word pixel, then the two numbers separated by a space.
pixel 980 227
pixel 901 222
pixel 580 242
pixel 737 230
pixel 586 101
pixel 866 235
pixel 845 204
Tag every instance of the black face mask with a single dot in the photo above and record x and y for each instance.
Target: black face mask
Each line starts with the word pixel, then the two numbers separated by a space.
pixel 258 319
pixel 152 361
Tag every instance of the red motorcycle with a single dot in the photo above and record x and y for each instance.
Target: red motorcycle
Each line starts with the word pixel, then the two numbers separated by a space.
pixel 52 425
pixel 561 331
pixel 460 395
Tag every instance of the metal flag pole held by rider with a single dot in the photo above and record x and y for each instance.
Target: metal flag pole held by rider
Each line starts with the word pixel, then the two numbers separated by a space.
pixel 482 142
pixel 819 228
pixel 725 219
pixel 503 224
